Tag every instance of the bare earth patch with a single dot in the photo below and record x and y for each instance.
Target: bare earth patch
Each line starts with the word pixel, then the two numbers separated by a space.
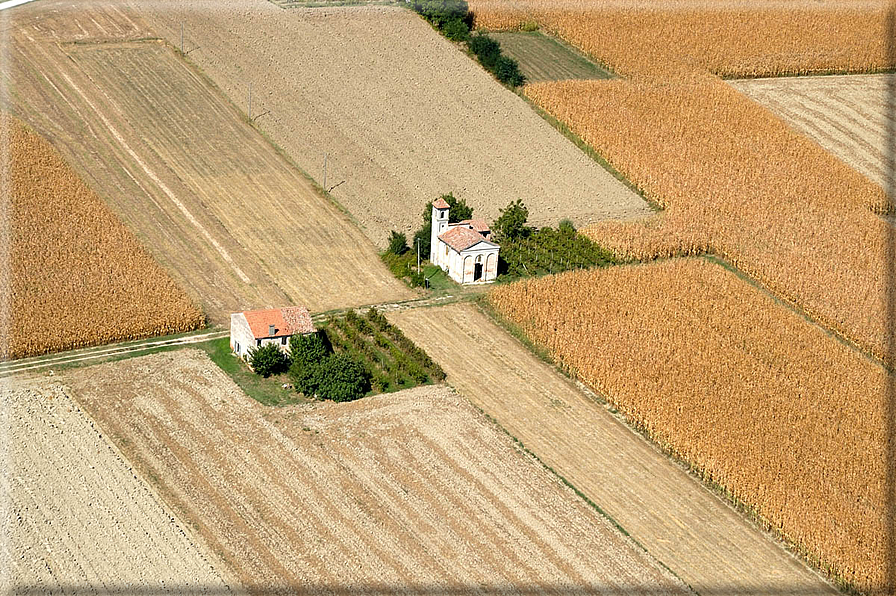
pixel 76 518
pixel 404 492
pixel 404 115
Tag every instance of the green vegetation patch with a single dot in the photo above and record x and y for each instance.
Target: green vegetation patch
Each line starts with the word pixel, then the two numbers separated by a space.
pixel 550 250
pixel 545 58
pixel 392 360
pixel 267 390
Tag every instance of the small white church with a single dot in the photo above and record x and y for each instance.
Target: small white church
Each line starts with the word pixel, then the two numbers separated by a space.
pixel 464 250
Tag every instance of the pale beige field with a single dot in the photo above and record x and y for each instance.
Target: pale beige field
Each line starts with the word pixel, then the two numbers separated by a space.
pixel 709 545
pixel 233 221
pixel 404 115
pixel 847 115
pixel 411 492
pixel 76 517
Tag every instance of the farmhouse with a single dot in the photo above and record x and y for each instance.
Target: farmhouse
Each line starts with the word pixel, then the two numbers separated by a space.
pixel 254 328
pixel 464 250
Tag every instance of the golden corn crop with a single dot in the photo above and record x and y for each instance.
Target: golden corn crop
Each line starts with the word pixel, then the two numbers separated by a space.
pixel 787 418
pixel 72 275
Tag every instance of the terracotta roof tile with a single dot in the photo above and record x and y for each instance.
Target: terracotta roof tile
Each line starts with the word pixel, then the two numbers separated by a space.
pixel 286 321
pixel 478 224
pixel 461 238
pixel 440 203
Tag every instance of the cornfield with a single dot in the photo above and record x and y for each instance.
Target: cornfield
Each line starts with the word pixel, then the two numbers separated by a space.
pixel 769 406
pixel 72 275
pixel 734 179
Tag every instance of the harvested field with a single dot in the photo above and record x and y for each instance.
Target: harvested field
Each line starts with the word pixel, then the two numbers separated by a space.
pixel 847 115
pixel 76 518
pixel 733 177
pixel 404 116
pixel 71 275
pixel 231 218
pixel 412 491
pixel 702 539
pixel 787 418
pixel 544 58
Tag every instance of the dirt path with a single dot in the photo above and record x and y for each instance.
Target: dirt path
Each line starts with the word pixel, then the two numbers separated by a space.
pixel 699 536
pixel 75 516
pixel 412 492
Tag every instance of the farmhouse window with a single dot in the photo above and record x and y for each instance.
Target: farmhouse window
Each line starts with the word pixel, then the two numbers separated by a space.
pixel 257 342
pixel 283 341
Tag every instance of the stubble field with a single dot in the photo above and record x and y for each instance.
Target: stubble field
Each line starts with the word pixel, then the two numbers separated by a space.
pixel 75 516
pixel 847 115
pixel 404 115
pixel 407 492
pixel 216 204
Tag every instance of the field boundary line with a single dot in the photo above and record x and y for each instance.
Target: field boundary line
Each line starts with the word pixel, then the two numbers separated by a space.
pixel 743 508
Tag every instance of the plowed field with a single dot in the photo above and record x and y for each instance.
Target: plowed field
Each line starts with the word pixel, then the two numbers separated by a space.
pixel 412 492
pixel 231 218
pixel 847 115
pixel 76 518
pixel 404 115
pixel 703 540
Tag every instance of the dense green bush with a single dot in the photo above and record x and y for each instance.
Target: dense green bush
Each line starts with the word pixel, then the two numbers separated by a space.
pixel 441 12
pixel 456 30
pixel 507 70
pixel 398 243
pixel 307 349
pixel 268 360
pixel 511 224
pixel 486 50
pixel 342 378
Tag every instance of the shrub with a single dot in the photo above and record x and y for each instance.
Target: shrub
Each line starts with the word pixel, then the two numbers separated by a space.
pixel 456 30
pixel 511 224
pixel 267 360
pixel 486 49
pixel 305 379
pixel 307 349
pixel 342 378
pixel 398 243
pixel 441 12
pixel 529 26
pixel 507 70
pixel 566 226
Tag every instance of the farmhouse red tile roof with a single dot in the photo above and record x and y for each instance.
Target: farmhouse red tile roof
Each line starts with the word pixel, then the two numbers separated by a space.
pixel 440 203
pixel 461 238
pixel 286 321
pixel 478 224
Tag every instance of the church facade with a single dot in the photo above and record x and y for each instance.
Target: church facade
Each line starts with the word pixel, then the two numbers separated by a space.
pixel 464 250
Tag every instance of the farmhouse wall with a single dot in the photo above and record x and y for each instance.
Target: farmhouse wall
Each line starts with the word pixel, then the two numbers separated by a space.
pixel 241 338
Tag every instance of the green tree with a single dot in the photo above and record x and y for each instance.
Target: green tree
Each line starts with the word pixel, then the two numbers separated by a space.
pixel 306 349
pixel 398 243
pixel 267 360
pixel 456 30
pixel 511 224
pixel 440 12
pixel 342 378
pixel 507 70
pixel 486 49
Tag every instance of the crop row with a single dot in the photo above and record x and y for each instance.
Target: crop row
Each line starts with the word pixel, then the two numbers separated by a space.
pixel 75 275
pixel 549 250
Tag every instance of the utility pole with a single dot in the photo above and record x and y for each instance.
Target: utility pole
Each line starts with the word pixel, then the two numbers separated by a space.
pixel 181 37
pixel 418 255
pixel 250 101
pixel 326 156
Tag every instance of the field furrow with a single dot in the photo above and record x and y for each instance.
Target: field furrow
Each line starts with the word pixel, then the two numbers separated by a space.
pixel 398 492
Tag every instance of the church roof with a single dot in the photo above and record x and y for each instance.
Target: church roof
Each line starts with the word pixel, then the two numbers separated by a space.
pixel 477 224
pixel 440 203
pixel 461 238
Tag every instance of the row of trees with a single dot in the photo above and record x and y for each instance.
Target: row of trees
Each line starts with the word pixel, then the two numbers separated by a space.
pixel 454 20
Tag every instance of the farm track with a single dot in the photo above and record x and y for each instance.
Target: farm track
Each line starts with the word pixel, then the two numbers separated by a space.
pixel 216 204
pixel 699 536
pixel 847 115
pixel 75 516
pixel 404 492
